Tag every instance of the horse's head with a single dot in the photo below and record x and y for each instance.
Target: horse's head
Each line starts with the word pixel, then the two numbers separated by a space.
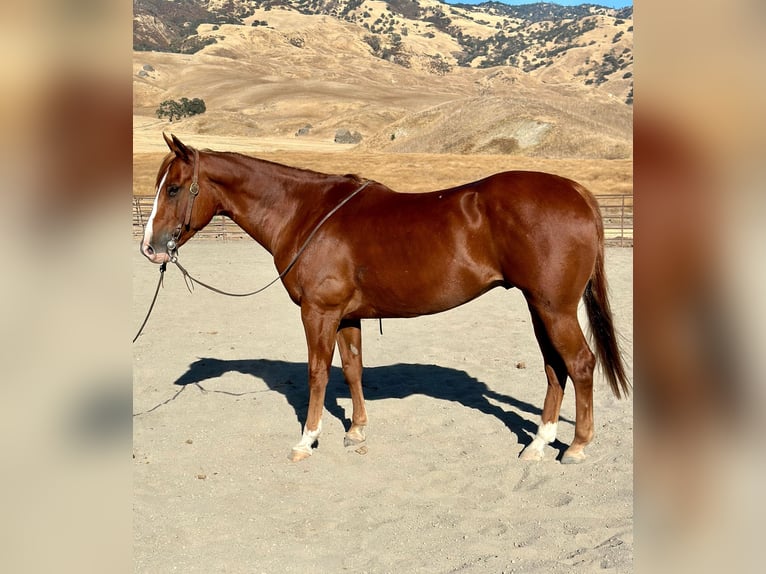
pixel 176 216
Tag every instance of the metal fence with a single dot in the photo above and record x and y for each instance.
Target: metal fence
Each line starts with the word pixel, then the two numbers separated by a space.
pixel 617 213
pixel 616 210
pixel 219 228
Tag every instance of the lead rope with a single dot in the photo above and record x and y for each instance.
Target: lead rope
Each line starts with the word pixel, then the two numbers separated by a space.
pixel 191 280
pixel 156 291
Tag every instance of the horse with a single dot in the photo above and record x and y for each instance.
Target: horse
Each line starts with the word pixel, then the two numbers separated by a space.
pixel 349 249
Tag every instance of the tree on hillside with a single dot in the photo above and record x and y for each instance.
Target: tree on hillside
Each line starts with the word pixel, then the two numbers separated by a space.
pixel 172 109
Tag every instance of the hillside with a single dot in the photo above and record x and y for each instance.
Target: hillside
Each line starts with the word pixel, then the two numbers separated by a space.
pixel 408 75
pixel 588 44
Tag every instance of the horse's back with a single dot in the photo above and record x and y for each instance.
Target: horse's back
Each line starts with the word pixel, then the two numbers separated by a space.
pixel 411 254
pixel 521 212
pixel 521 196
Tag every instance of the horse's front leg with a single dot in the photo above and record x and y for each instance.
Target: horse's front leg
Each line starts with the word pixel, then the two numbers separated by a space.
pixel 350 347
pixel 320 327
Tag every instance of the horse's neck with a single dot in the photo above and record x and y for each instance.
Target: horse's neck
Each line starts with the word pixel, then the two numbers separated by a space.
pixel 265 198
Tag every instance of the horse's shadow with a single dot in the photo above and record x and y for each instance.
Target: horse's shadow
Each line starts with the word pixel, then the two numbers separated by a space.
pixel 387 382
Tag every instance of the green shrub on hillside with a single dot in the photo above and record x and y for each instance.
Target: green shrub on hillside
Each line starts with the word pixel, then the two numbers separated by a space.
pixel 172 109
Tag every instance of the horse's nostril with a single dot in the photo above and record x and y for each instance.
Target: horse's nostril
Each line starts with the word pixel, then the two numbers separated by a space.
pixel 148 250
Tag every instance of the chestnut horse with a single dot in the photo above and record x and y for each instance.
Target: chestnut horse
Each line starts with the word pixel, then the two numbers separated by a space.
pixel 349 249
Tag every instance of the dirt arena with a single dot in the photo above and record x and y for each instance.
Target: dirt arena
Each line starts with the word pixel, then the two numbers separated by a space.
pixel 220 395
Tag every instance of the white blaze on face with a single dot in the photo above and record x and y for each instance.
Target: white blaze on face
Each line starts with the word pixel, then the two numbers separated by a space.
pixel 149 224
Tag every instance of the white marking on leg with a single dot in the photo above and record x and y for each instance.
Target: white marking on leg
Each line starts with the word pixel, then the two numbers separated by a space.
pixel 546 434
pixel 309 438
pixel 354 350
pixel 148 230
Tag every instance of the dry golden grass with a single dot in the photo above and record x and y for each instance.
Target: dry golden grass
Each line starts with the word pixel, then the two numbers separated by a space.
pixel 543 123
pixel 422 172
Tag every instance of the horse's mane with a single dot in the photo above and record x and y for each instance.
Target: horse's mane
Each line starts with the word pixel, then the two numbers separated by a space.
pixel 351 176
pixel 249 159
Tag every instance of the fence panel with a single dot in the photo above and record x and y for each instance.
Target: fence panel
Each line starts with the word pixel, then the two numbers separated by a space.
pixel 617 214
pixel 616 211
pixel 219 228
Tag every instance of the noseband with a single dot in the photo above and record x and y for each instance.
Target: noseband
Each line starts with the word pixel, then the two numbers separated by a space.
pixel 193 192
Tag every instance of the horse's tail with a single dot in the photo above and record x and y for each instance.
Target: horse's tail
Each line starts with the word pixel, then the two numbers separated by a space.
pixel 596 298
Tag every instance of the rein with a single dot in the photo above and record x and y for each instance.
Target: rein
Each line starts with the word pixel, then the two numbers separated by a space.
pixel 191 280
pixel 154 299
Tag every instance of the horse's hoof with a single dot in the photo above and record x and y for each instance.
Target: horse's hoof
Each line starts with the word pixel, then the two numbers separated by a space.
pixel 573 457
pixel 355 436
pixel 531 454
pixel 298 455
pixel 350 441
pixel 356 443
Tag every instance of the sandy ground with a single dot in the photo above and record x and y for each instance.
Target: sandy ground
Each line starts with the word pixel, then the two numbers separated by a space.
pixel 220 395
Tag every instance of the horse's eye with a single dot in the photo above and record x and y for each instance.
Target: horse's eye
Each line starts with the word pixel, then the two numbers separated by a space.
pixel 172 190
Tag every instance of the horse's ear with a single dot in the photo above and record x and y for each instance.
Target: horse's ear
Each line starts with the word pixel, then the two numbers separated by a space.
pixel 176 146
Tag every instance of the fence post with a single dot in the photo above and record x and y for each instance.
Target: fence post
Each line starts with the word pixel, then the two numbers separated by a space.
pixel 137 209
pixel 622 221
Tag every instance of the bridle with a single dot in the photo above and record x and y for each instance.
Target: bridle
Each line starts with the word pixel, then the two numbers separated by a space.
pixel 172 245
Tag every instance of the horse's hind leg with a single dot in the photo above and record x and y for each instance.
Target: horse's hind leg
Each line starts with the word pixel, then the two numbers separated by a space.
pixel 567 338
pixel 349 339
pixel 556 372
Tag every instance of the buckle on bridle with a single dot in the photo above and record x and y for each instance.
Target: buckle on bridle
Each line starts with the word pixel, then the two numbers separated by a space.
pixel 172 245
pixel 173 250
pixel 194 188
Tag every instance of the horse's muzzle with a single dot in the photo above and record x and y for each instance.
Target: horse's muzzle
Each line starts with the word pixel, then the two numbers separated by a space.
pixel 152 255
